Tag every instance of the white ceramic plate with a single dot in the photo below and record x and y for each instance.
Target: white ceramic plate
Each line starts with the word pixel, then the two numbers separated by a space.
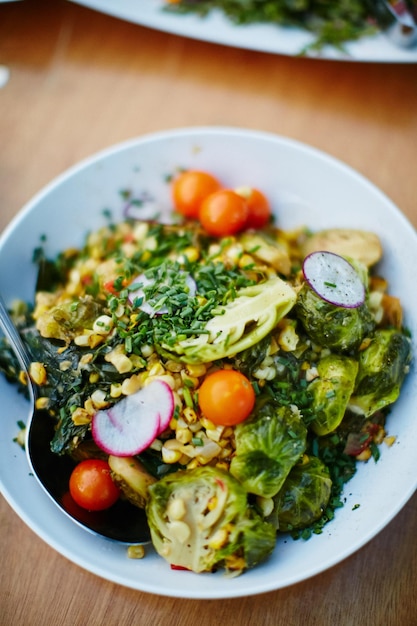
pixel 216 28
pixel 305 187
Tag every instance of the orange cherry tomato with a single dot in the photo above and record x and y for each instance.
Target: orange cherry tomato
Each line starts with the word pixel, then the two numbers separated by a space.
pixel 226 397
pixel 224 213
pixel 189 189
pixel 91 485
pixel 259 207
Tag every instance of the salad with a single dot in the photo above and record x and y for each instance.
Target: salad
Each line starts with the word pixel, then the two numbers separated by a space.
pixel 331 23
pixel 220 373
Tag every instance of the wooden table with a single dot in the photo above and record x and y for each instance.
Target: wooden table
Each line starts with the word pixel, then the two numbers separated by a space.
pixel 81 81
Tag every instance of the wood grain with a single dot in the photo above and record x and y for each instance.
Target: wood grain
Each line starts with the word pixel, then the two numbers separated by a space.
pixel 81 81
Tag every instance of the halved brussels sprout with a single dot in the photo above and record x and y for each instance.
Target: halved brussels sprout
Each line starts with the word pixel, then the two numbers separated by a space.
pixel 382 369
pixel 304 495
pixel 63 320
pixel 331 391
pixel 334 327
pixel 200 520
pixel 268 444
pixel 239 324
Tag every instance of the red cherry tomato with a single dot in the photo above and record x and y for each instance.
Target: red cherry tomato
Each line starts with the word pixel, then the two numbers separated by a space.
pixel 224 213
pixel 259 207
pixel 189 189
pixel 226 397
pixel 91 485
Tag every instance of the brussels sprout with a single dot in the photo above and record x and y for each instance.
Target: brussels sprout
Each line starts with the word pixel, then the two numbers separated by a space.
pixel 338 328
pixel 304 495
pixel 200 520
pixel 63 320
pixel 382 369
pixel 357 244
pixel 132 478
pixel 331 391
pixel 239 324
pixel 268 250
pixel 268 444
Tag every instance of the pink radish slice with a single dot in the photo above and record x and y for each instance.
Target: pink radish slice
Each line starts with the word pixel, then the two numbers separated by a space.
pixel 144 281
pixel 334 279
pixel 131 425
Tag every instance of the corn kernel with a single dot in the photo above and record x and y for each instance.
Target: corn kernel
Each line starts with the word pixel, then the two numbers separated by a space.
pixel 212 503
pixel 42 403
pixel 23 378
pixel 98 398
pixel 122 363
pixel 226 453
pixel 365 455
pixel 21 437
pixel 190 381
pixel 115 390
pixel 80 417
pixel 176 509
pixel 288 338
pixel 156 370
pixel 85 359
pixel 95 340
pixel 136 552
pixel 170 456
pixel 214 434
pixel 136 360
pixel 190 415
pixel 219 539
pixel 82 340
pixel 245 261
pixel 167 378
pixel 265 373
pixel 172 444
pixel 223 465
pixel 197 370
pixel 94 377
pixel 183 435
pixel 207 424
pixel 193 464
pixel 37 373
pixel 131 385
pixel 191 253
pixel 173 366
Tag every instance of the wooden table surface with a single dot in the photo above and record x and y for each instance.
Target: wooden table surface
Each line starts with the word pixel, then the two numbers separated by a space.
pixel 81 81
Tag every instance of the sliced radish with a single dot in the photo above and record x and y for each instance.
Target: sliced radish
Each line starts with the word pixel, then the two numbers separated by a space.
pixel 144 281
pixel 131 425
pixel 334 279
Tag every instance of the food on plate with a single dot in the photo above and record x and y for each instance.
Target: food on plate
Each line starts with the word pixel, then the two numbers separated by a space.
pixel 226 382
pixel 331 23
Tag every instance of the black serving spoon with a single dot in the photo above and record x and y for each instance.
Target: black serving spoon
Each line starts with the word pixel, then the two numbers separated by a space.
pixel 122 522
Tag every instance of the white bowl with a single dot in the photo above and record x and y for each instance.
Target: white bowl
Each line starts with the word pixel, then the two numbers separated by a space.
pixel 305 187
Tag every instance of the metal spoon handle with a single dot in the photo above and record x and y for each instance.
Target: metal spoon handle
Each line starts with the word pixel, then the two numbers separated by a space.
pixel 12 334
